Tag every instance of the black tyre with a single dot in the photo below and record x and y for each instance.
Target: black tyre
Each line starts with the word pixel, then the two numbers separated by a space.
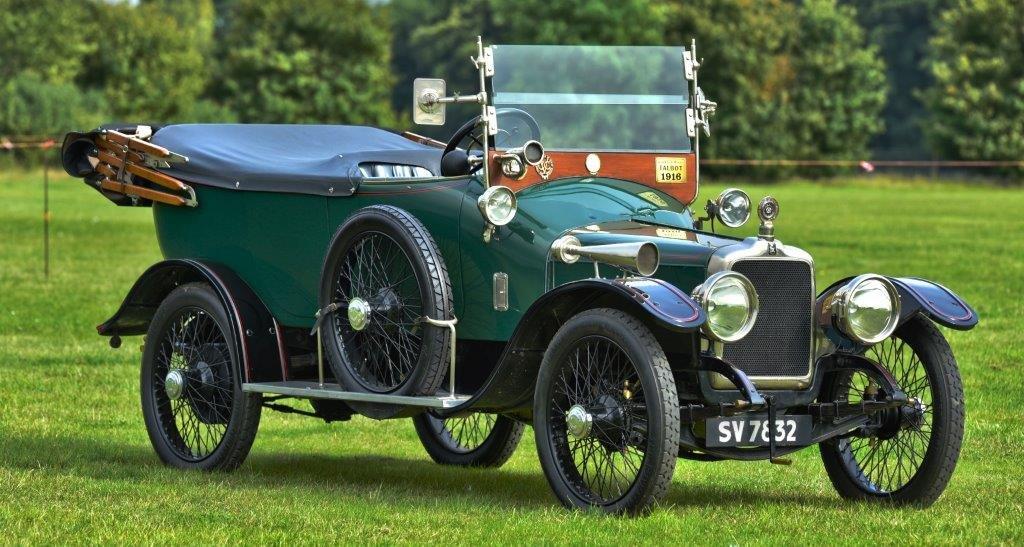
pixel 907 455
pixel 386 273
pixel 606 414
pixel 192 401
pixel 475 440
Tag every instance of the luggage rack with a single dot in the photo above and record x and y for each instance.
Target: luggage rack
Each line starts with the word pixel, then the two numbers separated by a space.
pixel 316 390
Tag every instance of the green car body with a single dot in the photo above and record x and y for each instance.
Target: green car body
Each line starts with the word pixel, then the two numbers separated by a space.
pixel 277 241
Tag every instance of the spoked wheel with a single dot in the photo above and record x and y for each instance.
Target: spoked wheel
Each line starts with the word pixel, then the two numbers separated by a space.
pixel 474 440
pixel 606 414
pixel 906 455
pixel 386 274
pixel 195 411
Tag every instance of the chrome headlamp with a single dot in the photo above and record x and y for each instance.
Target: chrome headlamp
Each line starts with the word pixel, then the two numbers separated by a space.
pixel 498 205
pixel 731 304
pixel 867 309
pixel 731 207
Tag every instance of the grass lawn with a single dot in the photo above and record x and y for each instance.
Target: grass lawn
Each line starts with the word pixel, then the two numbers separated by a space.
pixel 76 465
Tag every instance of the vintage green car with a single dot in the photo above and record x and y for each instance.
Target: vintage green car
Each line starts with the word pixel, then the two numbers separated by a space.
pixel 544 266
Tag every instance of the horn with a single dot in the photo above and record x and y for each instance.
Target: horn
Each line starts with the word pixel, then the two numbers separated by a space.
pixel 641 257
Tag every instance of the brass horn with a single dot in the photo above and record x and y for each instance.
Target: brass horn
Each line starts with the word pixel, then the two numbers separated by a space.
pixel 641 257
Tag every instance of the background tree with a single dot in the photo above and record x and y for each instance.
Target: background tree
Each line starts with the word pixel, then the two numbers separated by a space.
pixel 901 30
pixel 977 100
pixel 793 80
pixel 150 64
pixel 321 62
pixel 43 37
pixel 436 39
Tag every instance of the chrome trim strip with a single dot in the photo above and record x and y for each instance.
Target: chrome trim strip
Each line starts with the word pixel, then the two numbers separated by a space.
pixel 756 248
pixel 313 390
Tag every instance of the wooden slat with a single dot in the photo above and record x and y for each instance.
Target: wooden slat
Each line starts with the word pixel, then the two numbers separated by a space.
pixel 142 192
pixel 113 148
pixel 151 175
pixel 133 143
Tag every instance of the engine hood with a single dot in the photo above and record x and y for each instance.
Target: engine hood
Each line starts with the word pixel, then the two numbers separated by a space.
pixel 685 253
pixel 678 246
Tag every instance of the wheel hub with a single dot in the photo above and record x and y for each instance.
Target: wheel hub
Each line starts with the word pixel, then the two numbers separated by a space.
pixel 358 313
pixel 174 385
pixel 579 422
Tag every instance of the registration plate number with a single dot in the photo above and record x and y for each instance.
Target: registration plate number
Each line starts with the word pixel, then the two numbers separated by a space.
pixel 754 431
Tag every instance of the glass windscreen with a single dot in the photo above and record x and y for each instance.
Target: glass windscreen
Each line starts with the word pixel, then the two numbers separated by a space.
pixel 591 98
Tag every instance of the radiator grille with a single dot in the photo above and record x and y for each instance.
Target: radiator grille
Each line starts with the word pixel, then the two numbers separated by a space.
pixel 780 342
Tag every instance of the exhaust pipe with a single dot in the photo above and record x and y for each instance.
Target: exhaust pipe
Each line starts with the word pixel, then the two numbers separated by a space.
pixel 641 257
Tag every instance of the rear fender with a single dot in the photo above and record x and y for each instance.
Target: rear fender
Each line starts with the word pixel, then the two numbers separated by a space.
pixel 660 305
pixel 261 344
pixel 928 298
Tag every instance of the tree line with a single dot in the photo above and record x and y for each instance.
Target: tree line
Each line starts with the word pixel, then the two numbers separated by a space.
pixel 810 79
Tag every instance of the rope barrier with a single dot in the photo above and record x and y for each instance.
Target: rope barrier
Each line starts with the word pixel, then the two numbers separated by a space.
pixel 15 143
pixel 45 143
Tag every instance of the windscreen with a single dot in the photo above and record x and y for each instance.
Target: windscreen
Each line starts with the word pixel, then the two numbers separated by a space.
pixel 591 98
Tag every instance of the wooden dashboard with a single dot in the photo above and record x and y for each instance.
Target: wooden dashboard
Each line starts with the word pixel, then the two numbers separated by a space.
pixel 673 174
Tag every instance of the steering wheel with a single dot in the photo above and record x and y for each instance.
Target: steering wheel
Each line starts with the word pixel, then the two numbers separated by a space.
pixel 515 126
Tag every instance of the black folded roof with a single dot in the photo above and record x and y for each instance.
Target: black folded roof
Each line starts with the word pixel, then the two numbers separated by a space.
pixel 308 159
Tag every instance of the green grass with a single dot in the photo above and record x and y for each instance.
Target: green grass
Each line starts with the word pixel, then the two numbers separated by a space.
pixel 76 465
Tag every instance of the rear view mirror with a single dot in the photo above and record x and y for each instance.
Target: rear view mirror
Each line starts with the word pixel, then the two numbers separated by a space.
pixel 427 108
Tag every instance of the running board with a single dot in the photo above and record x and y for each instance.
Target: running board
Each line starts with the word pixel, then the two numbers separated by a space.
pixel 315 390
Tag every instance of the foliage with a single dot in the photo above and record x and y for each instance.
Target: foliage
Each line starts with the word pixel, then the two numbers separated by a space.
pixel 436 39
pixel 977 100
pixel 793 81
pixel 901 30
pixel 43 37
pixel 150 65
pixel 30 106
pixel 323 62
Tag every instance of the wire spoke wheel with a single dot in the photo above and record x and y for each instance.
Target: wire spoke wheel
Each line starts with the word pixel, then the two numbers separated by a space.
pixel 469 440
pixel 377 274
pixel 192 384
pixel 466 433
pixel 604 458
pixel 905 454
pixel 195 412
pixel 889 460
pixel 384 273
pixel 606 414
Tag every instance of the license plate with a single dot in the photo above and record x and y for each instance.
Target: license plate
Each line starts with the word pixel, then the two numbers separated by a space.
pixel 754 431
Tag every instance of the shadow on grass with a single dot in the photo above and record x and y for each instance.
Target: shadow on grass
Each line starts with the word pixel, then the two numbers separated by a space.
pixel 417 480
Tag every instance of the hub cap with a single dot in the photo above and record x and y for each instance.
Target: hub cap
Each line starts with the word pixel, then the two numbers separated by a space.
pixel 578 422
pixel 358 313
pixel 174 384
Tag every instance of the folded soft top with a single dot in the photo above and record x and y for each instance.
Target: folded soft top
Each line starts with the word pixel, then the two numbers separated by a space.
pixel 310 159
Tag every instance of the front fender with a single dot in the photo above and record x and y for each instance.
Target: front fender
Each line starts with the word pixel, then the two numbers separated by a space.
pixel 259 337
pixel 510 386
pixel 931 299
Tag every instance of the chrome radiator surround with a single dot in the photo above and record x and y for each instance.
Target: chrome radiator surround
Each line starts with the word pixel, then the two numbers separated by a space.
pixel 761 249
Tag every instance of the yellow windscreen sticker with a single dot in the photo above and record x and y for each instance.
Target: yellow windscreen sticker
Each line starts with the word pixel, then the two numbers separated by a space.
pixel 653 198
pixel 670 170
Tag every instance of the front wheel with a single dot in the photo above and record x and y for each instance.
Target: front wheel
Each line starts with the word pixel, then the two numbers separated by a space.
pixel 474 440
pixel 907 455
pixel 606 414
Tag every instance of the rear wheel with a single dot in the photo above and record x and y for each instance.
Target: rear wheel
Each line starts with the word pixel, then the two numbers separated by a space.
pixel 606 414
pixel 907 455
pixel 195 411
pixel 474 440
